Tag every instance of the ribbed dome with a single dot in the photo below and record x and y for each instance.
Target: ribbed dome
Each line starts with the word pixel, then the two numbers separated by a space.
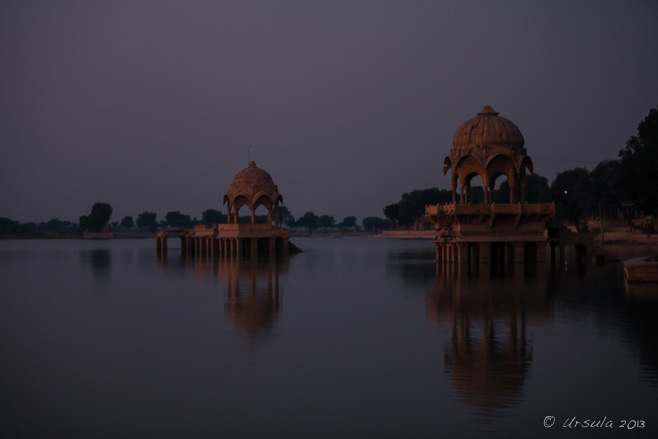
pixel 488 129
pixel 252 180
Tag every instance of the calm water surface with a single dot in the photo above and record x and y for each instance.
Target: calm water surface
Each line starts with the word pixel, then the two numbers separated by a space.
pixel 353 338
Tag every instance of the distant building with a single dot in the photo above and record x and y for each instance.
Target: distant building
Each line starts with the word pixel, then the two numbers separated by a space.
pixel 105 233
pixel 251 187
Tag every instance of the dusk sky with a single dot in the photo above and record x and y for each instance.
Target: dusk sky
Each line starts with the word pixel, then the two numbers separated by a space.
pixel 151 105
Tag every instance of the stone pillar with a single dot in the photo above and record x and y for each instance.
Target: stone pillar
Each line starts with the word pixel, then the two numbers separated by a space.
pixel 484 250
pixel 519 252
pixel 540 255
pixel 462 253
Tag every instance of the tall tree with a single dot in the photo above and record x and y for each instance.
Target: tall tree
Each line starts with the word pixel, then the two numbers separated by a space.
pixel 308 220
pixel 147 221
pixel 326 221
pixel 373 223
pixel 348 222
pixel 175 219
pixel 537 190
pixel 127 222
pixel 212 216
pixel 285 217
pixel 572 193
pixel 99 216
pixel 639 164
pixel 411 207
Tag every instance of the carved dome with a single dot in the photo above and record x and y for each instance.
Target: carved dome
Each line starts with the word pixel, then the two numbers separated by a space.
pixel 488 130
pixel 252 187
pixel 251 181
pixel 487 146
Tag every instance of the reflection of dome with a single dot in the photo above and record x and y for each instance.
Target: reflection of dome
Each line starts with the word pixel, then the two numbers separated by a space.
pixel 488 129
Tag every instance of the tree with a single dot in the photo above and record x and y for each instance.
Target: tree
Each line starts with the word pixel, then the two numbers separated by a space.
pixel 308 220
pixel 176 219
pixel 9 226
pixel 147 221
pixel 373 223
pixel 537 190
pixel 572 193
pixel 639 164
pixel 99 216
pixel 392 211
pixel 212 216
pixel 411 207
pixel 56 226
pixel 349 222
pixel 326 221
pixel 127 223
pixel 285 217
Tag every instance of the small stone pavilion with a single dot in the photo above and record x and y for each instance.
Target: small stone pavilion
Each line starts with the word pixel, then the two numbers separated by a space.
pixel 252 187
pixel 489 146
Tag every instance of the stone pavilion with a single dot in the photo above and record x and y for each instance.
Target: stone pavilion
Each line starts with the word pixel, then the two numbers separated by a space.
pixel 489 146
pixel 252 188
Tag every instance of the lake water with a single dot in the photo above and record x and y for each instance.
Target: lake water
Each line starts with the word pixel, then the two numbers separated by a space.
pixel 355 337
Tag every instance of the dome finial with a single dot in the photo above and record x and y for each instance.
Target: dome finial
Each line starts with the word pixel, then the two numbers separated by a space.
pixel 487 110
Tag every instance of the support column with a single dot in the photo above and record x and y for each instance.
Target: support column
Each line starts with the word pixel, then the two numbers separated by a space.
pixel 462 253
pixel 540 255
pixel 484 250
pixel 519 252
pixel 253 247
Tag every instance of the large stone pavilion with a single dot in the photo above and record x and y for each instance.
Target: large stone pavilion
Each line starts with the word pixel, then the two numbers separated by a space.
pixel 489 146
pixel 252 188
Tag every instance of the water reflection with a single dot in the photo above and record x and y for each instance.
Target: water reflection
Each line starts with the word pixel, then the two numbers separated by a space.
pixel 489 355
pixel 253 296
pixel 252 291
pixel 99 263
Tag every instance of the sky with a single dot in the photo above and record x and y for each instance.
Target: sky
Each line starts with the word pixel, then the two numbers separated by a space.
pixel 152 105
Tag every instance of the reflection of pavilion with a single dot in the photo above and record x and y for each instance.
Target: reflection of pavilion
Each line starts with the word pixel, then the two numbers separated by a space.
pixel 251 187
pixel 489 355
pixel 253 297
pixel 489 146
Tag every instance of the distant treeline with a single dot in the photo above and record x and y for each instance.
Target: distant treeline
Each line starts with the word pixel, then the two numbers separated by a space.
pixel 101 213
